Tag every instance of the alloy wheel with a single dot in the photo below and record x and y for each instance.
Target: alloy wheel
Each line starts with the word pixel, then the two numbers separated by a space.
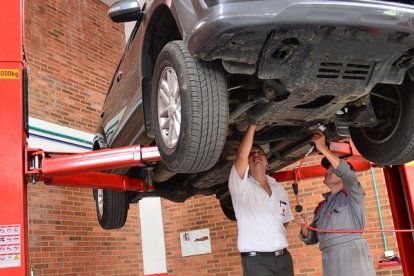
pixel 169 107
pixel 100 201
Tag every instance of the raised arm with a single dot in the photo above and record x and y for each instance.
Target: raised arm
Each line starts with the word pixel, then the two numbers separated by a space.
pixel 320 143
pixel 341 169
pixel 242 156
pixel 350 182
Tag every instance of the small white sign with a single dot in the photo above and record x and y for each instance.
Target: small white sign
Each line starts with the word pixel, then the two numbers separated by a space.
pixel 195 242
pixel 10 246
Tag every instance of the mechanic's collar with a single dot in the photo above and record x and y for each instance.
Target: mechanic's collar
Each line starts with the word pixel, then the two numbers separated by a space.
pixel 326 195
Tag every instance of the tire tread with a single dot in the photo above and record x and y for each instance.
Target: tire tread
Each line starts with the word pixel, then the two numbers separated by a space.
pixel 209 112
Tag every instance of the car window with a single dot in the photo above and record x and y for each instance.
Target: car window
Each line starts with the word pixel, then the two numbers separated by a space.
pixel 132 36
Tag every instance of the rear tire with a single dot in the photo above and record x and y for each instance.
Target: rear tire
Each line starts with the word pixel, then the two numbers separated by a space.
pixel 190 109
pixel 111 208
pixel 391 142
pixel 227 207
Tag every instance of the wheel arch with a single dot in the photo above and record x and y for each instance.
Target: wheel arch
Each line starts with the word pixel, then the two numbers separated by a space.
pixel 161 29
pixel 390 143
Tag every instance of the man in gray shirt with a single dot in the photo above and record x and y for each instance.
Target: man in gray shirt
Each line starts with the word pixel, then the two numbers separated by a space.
pixel 343 254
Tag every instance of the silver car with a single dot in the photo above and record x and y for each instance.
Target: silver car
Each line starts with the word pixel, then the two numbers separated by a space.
pixel 195 73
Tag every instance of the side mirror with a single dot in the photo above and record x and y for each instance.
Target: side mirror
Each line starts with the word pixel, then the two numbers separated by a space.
pixel 125 11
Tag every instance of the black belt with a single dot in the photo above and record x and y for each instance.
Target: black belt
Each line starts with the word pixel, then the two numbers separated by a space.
pixel 276 253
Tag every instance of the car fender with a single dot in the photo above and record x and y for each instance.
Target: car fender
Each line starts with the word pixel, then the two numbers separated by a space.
pixel 156 9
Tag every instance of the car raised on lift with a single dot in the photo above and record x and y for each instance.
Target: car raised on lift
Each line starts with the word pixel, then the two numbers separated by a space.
pixel 195 72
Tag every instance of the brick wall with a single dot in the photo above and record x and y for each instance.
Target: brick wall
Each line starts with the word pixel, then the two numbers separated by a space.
pixel 66 239
pixel 72 50
pixel 197 213
pixel 204 212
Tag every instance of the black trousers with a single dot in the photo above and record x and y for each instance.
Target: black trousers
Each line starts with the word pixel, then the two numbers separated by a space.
pixel 268 266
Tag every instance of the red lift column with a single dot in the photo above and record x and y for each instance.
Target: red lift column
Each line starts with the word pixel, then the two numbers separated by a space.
pixel 13 218
pixel 400 186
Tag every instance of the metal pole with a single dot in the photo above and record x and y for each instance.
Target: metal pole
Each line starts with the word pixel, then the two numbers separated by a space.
pixel 374 181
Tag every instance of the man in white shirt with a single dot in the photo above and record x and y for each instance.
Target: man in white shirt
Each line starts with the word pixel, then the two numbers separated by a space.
pixel 262 211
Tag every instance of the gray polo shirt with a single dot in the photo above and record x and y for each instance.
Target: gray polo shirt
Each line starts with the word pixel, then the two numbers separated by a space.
pixel 339 211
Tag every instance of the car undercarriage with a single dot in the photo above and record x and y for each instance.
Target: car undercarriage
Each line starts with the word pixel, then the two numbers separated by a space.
pixel 318 75
pixel 207 76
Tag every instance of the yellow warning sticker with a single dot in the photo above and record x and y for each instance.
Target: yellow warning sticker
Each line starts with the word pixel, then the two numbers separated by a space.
pixel 9 74
pixel 410 163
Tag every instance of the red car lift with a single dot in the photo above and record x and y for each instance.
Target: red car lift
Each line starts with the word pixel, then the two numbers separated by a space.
pixel 20 163
pixel 13 218
pixel 400 187
pixel 77 170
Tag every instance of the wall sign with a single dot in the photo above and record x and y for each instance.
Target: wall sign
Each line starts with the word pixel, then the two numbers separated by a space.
pixel 195 242
pixel 10 246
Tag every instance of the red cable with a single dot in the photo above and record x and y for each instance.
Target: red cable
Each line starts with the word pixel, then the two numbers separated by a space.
pixel 345 230
pixel 359 231
pixel 298 171
pixel 297 177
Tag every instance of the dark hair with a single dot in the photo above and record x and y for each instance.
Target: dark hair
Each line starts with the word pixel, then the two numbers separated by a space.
pixel 326 164
pixel 259 147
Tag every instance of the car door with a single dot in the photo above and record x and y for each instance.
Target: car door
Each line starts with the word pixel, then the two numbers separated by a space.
pixel 129 92
pixel 109 115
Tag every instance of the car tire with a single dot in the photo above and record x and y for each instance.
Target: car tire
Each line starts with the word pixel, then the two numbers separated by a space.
pixel 190 121
pixel 111 208
pixel 391 142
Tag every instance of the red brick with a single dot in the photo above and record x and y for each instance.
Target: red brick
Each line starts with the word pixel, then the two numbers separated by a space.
pixel 72 50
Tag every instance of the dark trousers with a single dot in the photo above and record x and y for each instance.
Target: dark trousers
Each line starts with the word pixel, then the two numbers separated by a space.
pixel 268 266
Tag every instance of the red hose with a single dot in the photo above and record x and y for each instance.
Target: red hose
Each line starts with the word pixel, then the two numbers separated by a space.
pixel 359 231
pixel 297 178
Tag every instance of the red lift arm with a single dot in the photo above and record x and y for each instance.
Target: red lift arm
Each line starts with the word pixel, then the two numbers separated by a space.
pixel 345 149
pixel 19 161
pixel 77 170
